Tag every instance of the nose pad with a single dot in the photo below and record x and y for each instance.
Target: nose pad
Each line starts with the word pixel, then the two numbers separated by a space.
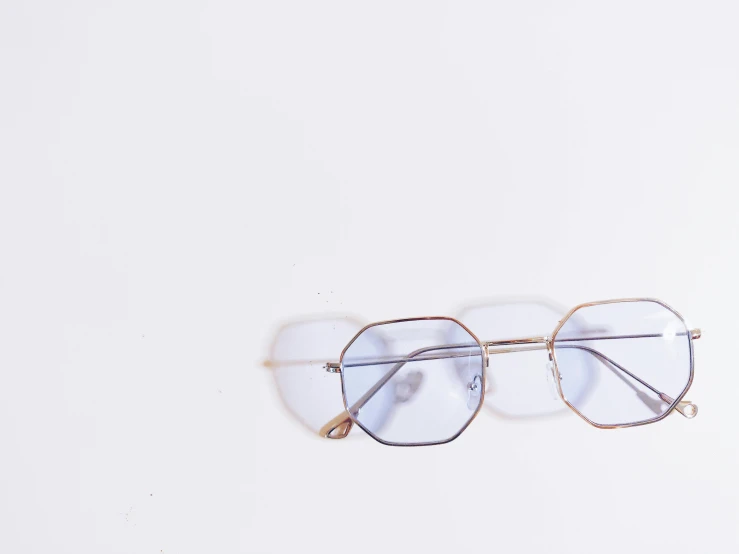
pixel 552 380
pixel 474 390
pixel 406 387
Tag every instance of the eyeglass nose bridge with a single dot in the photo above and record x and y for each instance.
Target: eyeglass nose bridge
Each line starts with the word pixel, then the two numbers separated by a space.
pixel 517 345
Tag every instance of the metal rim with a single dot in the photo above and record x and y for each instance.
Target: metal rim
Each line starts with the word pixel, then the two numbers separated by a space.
pixel 553 355
pixel 483 356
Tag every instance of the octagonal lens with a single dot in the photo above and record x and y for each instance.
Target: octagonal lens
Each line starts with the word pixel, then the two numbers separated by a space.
pixel 402 380
pixel 635 355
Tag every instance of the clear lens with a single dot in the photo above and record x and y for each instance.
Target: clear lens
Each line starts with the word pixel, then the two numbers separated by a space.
pixel 623 362
pixel 404 383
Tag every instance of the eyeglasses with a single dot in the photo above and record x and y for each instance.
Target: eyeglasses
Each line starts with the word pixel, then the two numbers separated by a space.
pixel 421 381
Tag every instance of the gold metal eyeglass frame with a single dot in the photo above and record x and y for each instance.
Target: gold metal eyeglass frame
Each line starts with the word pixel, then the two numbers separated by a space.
pixel 340 426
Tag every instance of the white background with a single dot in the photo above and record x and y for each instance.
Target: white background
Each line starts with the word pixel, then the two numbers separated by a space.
pixel 193 194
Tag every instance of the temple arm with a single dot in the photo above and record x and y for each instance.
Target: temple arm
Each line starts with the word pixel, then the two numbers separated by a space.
pixel 682 407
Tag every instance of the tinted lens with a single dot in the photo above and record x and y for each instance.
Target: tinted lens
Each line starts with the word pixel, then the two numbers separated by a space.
pixel 623 362
pixel 404 383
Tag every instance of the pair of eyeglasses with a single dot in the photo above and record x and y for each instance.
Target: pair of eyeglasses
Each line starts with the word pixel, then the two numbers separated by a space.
pixel 421 381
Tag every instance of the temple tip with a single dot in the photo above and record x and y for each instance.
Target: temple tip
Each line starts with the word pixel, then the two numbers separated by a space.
pixel 338 427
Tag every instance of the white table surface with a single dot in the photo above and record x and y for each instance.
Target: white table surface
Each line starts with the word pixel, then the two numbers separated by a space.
pixel 193 194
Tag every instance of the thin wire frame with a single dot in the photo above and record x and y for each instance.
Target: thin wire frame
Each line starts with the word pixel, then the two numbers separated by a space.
pixel 553 358
pixel 484 361
pixel 518 344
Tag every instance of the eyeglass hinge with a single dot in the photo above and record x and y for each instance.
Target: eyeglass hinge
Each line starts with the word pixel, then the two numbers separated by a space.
pixel 333 367
pixel 695 334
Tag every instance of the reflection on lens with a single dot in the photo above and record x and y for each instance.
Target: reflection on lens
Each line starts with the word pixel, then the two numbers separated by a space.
pixel 636 357
pixel 404 383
